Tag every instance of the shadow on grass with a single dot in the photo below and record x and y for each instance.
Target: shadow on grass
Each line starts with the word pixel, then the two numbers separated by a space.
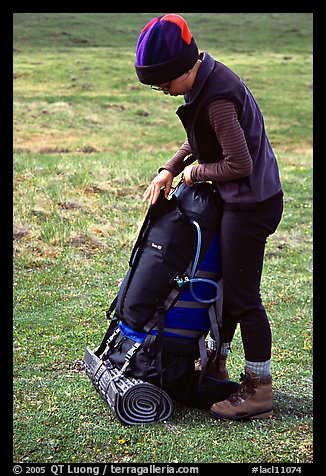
pixel 287 404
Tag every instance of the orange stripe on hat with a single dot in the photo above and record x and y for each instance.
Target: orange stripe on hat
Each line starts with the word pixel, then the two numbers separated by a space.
pixel 182 24
pixel 154 20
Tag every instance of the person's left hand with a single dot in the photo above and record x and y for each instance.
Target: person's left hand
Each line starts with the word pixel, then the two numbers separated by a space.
pixel 186 175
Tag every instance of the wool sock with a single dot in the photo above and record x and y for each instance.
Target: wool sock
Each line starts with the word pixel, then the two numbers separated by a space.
pixel 263 369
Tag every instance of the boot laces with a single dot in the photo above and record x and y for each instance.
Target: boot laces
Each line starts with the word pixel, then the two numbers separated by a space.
pixel 246 388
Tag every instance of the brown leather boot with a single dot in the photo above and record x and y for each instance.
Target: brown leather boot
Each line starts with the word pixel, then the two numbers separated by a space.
pixel 216 367
pixel 253 399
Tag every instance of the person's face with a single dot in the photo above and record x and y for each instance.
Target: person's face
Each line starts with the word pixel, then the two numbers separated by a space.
pixel 175 87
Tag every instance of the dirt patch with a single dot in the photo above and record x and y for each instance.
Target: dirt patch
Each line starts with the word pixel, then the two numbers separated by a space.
pixel 54 150
pixel 105 188
pixel 80 240
pixel 20 231
pixel 70 205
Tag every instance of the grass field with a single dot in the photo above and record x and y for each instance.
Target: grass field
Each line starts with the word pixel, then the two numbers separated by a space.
pixel 87 140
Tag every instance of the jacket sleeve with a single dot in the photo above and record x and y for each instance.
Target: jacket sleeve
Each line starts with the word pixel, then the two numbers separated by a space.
pixel 175 165
pixel 236 162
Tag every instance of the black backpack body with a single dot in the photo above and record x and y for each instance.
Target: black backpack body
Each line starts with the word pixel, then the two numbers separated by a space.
pixel 169 301
pixel 165 247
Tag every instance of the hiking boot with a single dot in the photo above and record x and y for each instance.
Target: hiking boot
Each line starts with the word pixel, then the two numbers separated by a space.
pixel 253 399
pixel 216 367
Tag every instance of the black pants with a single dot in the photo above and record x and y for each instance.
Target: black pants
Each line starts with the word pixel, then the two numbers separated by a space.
pixel 244 230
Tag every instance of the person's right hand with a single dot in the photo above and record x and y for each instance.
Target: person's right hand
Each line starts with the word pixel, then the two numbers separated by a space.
pixel 162 179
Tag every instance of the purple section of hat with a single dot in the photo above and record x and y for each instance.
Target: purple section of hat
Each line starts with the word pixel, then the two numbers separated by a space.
pixel 173 38
pixel 160 43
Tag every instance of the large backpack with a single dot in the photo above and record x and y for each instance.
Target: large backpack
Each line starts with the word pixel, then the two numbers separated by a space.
pixel 168 303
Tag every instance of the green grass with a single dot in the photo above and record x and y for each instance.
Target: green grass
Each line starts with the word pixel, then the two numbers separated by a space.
pixel 87 139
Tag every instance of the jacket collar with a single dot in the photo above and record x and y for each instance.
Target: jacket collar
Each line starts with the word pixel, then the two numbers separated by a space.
pixel 206 67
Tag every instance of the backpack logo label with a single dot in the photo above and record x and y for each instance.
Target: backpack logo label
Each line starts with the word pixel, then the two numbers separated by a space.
pixel 154 245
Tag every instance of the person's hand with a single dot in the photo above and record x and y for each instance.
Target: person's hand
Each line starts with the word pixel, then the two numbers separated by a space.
pixel 186 175
pixel 163 179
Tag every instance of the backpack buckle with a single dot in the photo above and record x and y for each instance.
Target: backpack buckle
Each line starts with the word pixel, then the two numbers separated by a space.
pixel 180 280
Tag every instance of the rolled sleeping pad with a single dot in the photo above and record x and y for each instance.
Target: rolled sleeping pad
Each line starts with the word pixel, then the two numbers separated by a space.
pixel 132 400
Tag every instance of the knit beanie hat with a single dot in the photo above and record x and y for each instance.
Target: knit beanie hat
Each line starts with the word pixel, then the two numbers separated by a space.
pixel 165 50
